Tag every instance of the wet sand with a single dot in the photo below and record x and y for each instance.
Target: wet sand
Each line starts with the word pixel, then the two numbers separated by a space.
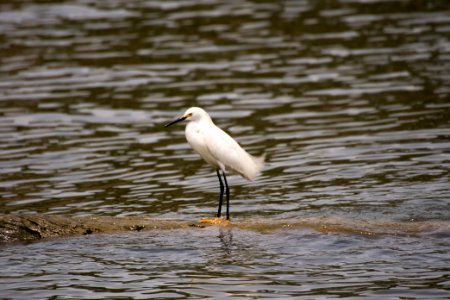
pixel 26 227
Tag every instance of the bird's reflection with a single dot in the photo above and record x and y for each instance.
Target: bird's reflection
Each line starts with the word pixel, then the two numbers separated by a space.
pixel 226 240
pixel 235 247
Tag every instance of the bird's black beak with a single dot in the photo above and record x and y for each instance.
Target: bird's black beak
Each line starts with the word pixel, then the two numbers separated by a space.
pixel 175 121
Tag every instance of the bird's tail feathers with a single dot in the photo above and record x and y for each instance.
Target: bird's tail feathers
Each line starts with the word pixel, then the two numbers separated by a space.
pixel 259 164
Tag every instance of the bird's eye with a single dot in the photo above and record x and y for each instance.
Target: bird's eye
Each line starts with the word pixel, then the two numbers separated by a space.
pixel 189 115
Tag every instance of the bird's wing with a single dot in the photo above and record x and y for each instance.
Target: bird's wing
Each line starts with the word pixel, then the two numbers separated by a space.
pixel 227 151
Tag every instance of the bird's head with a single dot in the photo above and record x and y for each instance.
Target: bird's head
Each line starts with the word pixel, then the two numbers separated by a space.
pixel 192 114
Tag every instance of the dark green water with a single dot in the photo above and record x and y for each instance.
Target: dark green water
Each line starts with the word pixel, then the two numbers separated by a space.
pixel 348 99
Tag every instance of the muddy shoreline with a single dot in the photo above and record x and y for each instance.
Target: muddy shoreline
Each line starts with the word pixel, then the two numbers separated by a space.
pixel 28 227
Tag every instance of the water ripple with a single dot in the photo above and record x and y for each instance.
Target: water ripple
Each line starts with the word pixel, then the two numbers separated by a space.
pixel 349 101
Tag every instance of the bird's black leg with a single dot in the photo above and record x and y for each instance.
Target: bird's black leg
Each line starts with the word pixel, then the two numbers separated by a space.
pixel 221 194
pixel 227 190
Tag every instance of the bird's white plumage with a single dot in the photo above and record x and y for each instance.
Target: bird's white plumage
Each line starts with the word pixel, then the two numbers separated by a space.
pixel 217 148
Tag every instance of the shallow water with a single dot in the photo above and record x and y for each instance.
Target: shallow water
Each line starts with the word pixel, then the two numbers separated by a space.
pixel 222 262
pixel 348 99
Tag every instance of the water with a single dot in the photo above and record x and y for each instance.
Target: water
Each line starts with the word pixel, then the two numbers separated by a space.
pixel 221 263
pixel 348 99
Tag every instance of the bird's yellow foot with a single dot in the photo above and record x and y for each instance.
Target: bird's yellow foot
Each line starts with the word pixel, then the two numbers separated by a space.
pixel 215 221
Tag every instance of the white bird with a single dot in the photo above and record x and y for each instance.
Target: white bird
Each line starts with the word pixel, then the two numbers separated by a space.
pixel 219 150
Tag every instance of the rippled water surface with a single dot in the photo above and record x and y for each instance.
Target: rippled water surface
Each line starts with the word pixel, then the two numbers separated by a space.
pixel 348 99
pixel 221 263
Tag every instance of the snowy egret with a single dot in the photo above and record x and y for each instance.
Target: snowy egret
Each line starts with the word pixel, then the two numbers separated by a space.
pixel 219 150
